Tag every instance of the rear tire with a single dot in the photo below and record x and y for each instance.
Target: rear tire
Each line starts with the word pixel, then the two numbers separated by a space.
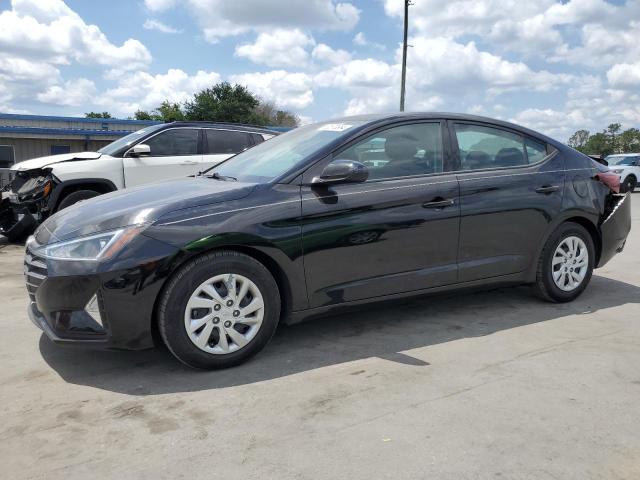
pixel 199 325
pixel 563 272
pixel 629 184
pixel 76 197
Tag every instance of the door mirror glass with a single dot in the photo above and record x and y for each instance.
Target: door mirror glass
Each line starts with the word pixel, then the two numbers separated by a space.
pixel 342 171
pixel 140 150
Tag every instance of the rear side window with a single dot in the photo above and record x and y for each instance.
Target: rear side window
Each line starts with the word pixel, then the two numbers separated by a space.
pixel 227 141
pixel 487 147
pixel 178 141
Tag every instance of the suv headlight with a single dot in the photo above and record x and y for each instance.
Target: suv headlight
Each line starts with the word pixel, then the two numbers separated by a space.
pixel 618 170
pixel 91 248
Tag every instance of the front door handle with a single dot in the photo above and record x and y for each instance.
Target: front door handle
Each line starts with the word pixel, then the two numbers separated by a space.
pixel 439 203
pixel 188 162
pixel 547 189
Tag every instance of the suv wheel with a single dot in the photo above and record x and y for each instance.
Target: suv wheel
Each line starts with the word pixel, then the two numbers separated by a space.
pixel 219 310
pixel 566 263
pixel 629 184
pixel 76 197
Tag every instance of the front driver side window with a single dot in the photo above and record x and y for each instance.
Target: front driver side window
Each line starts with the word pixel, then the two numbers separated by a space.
pixel 175 142
pixel 406 150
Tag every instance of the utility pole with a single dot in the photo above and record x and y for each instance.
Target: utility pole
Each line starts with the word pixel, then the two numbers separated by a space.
pixel 404 53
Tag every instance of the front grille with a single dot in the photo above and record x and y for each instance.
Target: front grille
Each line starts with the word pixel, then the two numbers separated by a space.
pixel 35 272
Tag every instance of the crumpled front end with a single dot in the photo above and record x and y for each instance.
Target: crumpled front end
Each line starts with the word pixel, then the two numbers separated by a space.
pixel 25 203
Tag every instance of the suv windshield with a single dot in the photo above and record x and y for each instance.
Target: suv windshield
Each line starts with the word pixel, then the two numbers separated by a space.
pixel 622 160
pixel 276 156
pixel 126 141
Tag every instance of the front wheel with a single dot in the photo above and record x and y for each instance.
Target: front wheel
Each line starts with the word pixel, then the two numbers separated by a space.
pixel 219 310
pixel 566 263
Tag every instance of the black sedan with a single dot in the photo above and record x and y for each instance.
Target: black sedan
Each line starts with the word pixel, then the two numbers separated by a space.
pixel 330 215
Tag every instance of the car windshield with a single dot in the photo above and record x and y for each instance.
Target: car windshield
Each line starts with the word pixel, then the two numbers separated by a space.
pixel 126 141
pixel 621 160
pixel 276 156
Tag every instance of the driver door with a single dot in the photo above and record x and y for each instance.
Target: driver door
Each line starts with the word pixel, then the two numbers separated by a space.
pixel 397 232
pixel 174 153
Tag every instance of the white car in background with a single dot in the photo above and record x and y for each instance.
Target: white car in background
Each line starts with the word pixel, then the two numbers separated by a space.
pixel 43 186
pixel 627 165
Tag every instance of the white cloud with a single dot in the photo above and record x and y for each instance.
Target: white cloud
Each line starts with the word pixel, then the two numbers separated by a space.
pixel 286 89
pixel 625 75
pixel 72 93
pixel 52 32
pixel 151 24
pixel 280 47
pixel 159 5
pixel 222 18
pixel 360 39
pixel 324 52
pixel 142 90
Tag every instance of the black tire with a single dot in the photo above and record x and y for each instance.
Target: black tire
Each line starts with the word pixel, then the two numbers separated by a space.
pixel 629 184
pixel 176 294
pixel 76 197
pixel 545 285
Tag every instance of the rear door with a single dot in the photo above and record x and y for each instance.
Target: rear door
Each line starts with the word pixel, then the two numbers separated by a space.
pixel 221 144
pixel 396 232
pixel 510 190
pixel 174 153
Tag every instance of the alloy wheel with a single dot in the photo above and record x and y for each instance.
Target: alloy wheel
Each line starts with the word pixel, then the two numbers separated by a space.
pixel 224 314
pixel 570 263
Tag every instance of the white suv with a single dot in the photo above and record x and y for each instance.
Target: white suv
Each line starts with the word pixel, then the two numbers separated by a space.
pixel 627 165
pixel 42 186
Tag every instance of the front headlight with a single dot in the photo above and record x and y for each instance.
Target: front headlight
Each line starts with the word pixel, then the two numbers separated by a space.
pixel 91 248
pixel 618 170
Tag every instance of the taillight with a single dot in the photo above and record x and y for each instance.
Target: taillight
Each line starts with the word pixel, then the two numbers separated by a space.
pixel 611 180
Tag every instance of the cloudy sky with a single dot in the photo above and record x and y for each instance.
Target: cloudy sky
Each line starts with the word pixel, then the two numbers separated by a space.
pixel 554 66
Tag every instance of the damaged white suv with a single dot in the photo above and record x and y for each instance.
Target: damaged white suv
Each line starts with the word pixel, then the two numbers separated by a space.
pixel 45 185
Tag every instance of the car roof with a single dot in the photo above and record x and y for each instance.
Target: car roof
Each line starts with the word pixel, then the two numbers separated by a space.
pixel 226 126
pixel 463 117
pixel 623 155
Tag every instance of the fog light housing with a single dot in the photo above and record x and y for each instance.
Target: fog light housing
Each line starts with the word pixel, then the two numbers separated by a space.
pixel 93 310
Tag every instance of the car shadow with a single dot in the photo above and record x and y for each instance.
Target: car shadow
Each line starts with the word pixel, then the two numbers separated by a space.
pixel 384 331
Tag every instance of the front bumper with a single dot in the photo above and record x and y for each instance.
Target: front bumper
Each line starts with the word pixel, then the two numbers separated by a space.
pixel 60 293
pixel 16 223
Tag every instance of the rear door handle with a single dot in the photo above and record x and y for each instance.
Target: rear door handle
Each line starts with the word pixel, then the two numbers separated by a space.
pixel 188 162
pixel 439 203
pixel 547 189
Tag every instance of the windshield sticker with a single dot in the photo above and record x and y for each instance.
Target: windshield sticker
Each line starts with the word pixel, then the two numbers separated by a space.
pixel 335 127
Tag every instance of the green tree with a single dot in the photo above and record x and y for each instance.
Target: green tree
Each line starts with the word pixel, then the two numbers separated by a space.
pixel 266 113
pixel 168 112
pixel 142 115
pixel 630 141
pixel 98 115
pixel 222 103
pixel 612 131
pixel 598 144
pixel 579 139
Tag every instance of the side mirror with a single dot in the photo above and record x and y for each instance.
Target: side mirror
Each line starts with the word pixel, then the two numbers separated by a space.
pixel 342 171
pixel 140 150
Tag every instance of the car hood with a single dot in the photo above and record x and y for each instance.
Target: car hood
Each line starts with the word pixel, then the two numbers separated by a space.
pixel 50 160
pixel 138 205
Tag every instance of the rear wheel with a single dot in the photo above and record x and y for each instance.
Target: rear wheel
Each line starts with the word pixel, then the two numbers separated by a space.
pixel 76 197
pixel 629 184
pixel 219 310
pixel 566 263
